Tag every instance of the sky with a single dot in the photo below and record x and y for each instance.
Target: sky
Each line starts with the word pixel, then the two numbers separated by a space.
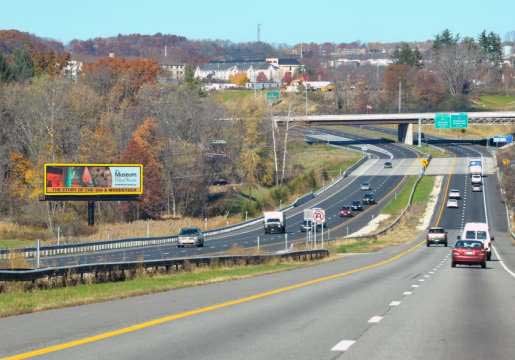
pixel 282 21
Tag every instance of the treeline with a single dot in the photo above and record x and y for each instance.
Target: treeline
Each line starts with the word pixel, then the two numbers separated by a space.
pixel 117 111
pixel 446 77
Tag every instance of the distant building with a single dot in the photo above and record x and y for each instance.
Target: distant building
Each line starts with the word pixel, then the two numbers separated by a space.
pixel 258 71
pixel 72 69
pixel 174 71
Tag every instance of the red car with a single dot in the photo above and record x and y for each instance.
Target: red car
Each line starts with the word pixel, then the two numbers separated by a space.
pixel 469 252
pixel 346 211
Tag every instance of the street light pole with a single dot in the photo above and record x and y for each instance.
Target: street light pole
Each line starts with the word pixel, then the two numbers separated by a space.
pixel 306 91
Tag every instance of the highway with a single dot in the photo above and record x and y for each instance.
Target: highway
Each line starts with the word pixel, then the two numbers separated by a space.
pixel 403 302
pixel 331 200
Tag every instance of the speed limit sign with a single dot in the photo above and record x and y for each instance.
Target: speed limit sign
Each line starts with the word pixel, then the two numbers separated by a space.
pixel 319 216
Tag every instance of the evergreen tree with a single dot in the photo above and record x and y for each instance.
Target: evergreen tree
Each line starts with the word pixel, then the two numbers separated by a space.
pixel 22 67
pixel 5 71
pixel 407 56
pixel 445 39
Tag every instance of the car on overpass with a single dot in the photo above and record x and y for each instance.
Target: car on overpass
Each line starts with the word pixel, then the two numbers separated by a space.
pixel 452 203
pixel 454 194
pixel 388 165
pixel 469 252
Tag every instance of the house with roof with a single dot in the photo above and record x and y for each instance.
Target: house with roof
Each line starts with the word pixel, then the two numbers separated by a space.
pixel 257 71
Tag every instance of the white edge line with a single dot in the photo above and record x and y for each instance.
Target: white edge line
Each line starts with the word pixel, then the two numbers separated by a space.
pixel 343 345
pixel 395 303
pixel 406 293
pixel 502 263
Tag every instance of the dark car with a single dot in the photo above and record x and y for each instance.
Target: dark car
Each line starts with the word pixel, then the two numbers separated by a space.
pixel 356 205
pixel 388 165
pixel 346 211
pixel 368 199
pixel 469 252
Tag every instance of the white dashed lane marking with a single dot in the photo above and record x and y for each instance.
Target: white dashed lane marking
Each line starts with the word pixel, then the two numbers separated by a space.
pixel 343 345
pixel 375 319
pixel 394 303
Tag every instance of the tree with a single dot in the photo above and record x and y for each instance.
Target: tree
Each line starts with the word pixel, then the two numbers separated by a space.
pixel 287 78
pixel 407 56
pixel 22 66
pixel 239 79
pixel 261 77
pixel 5 71
pixel 445 39
pixel 144 147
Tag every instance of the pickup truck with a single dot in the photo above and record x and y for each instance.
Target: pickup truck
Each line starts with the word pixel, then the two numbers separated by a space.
pixel 436 235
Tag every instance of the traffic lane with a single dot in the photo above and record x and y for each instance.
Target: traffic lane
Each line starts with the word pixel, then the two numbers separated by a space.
pixel 384 185
pixel 454 218
pixel 300 324
pixel 245 237
pixel 29 331
pixel 461 313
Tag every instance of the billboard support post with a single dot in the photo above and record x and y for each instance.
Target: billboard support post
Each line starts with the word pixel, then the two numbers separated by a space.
pixel 91 213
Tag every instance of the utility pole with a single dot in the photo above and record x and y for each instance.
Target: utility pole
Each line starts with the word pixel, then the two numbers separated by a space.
pixel 306 91
pixel 275 147
pixel 400 96
pixel 285 150
pixel 258 32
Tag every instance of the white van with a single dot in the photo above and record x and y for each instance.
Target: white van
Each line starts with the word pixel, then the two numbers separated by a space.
pixel 479 232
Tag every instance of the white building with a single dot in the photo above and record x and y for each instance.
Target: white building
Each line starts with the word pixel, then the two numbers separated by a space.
pixel 72 69
pixel 174 71
pixel 270 70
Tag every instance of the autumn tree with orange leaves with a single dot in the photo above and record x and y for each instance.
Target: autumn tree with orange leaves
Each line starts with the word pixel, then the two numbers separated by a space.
pixel 120 78
pixel 239 79
pixel 144 147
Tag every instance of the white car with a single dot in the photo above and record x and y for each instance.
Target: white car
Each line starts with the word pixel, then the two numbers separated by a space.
pixel 477 188
pixel 366 187
pixel 452 203
pixel 454 194
pixel 476 179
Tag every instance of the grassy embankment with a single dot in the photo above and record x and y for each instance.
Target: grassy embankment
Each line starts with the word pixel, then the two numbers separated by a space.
pixel 401 233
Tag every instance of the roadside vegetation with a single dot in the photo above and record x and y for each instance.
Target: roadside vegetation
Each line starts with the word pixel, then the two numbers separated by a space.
pixel 15 298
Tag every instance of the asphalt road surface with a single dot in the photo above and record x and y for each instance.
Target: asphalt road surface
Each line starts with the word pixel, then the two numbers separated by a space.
pixel 403 302
pixel 331 200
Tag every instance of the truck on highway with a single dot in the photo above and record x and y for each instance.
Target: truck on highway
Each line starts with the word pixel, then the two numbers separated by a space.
pixel 274 222
pixel 475 167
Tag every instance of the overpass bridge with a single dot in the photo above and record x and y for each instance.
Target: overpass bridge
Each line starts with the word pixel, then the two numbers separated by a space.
pixel 404 121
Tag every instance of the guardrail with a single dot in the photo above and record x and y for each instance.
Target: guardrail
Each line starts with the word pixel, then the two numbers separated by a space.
pixel 77 248
pixel 107 270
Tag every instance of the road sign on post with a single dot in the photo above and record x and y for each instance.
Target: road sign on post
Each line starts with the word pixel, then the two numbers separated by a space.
pixel 318 216
pixel 451 121
pixel 272 96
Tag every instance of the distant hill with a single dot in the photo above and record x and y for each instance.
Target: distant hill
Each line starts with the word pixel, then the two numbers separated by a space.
pixel 167 48
pixel 14 39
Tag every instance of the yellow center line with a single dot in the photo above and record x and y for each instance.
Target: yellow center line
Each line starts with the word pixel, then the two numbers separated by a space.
pixel 205 309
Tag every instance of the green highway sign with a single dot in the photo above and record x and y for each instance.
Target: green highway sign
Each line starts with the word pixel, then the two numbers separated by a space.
pixel 459 121
pixel 442 121
pixel 451 121
pixel 272 96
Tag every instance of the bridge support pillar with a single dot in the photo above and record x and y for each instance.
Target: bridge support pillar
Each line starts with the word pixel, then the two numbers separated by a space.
pixel 405 133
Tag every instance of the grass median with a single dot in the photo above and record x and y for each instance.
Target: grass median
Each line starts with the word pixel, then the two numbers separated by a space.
pixel 401 233
pixel 15 300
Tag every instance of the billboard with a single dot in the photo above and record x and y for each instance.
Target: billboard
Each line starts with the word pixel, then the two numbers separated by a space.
pixel 93 179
